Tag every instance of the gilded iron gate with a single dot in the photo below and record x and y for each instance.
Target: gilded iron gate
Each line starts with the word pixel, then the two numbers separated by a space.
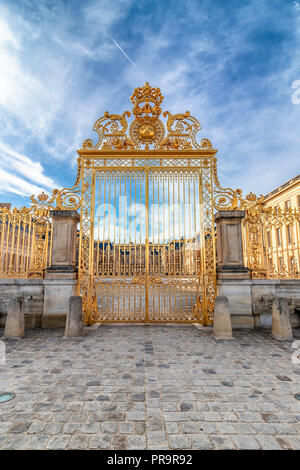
pixel 151 241
pixel 147 235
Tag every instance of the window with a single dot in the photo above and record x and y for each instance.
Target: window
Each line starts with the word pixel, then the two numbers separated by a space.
pixel 298 200
pixel 289 234
pixel 278 236
pixel 287 205
pixel 269 242
pixel 292 263
pixel 280 262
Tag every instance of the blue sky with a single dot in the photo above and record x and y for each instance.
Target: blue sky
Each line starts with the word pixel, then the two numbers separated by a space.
pixel 231 63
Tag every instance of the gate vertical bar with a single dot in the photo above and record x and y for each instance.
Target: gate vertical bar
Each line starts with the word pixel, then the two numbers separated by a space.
pixel 147 245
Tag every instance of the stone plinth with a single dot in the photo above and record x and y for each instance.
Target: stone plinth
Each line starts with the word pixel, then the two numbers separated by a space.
pixel 230 261
pixel 74 325
pixel 63 256
pixel 233 278
pixel 281 326
pixel 61 277
pixel 222 320
pixel 15 320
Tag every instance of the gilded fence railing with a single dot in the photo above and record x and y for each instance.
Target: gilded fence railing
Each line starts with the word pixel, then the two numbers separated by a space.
pixel 25 239
pixel 271 238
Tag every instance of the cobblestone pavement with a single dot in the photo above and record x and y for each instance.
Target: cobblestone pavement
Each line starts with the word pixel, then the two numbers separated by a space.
pixel 154 387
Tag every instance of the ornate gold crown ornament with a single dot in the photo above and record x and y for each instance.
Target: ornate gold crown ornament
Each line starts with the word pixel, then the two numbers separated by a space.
pixel 147 130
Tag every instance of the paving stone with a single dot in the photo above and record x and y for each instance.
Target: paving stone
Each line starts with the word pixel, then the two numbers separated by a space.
pixel 211 416
pixel 267 442
pixel 284 443
pixel 79 441
pixel 91 406
pixel 16 442
pixel 136 442
pixel 185 406
pixel 37 442
pixel 201 442
pixel 100 442
pixel 3 441
pixel 156 437
pixel 127 427
pixel 244 428
pixel 138 397
pixel 58 442
pixel 119 442
pixel 5 427
pixel 19 428
pixel 269 418
pixel 245 442
pixel 109 427
pixel 154 412
pixel 222 442
pixel 191 391
pixel 179 442
pixel 71 428
pixel 250 417
pixel 226 428
pixel 228 416
pixel 62 417
pixel 284 428
pixel 136 416
pixel 284 378
pixel 193 427
pixel 140 428
pixel 263 428
pixel 103 398
pixel 54 428
pixel 36 427
pixel 172 428
pixel 155 424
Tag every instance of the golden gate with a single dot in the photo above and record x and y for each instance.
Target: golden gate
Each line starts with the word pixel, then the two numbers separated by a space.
pixel 147 192
pixel 147 235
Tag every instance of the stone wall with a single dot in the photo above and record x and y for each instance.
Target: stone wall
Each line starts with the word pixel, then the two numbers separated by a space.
pixel 263 292
pixel 250 300
pixel 33 292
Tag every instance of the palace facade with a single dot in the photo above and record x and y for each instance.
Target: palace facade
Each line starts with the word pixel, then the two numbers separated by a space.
pixel 282 242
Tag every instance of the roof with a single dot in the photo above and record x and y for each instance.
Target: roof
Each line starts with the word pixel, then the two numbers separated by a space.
pixel 282 187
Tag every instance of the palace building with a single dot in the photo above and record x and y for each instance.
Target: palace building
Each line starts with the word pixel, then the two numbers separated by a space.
pixel 282 241
pixel 285 196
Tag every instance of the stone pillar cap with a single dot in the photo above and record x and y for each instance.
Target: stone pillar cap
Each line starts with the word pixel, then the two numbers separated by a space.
pixel 65 213
pixel 231 214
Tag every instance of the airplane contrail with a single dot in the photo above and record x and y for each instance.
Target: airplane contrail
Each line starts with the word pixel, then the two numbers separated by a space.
pixel 123 52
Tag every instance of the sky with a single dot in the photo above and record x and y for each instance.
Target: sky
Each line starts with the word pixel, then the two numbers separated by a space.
pixel 234 64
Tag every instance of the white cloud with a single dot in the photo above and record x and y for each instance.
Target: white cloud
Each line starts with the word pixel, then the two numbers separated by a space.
pixel 24 165
pixel 10 183
pixel 16 169
pixel 43 74
pixel 57 78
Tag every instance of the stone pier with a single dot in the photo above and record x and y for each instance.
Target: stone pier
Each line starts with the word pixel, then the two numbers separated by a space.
pixel 233 278
pixel 74 326
pixel 222 319
pixel 15 320
pixel 281 326
pixel 61 277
